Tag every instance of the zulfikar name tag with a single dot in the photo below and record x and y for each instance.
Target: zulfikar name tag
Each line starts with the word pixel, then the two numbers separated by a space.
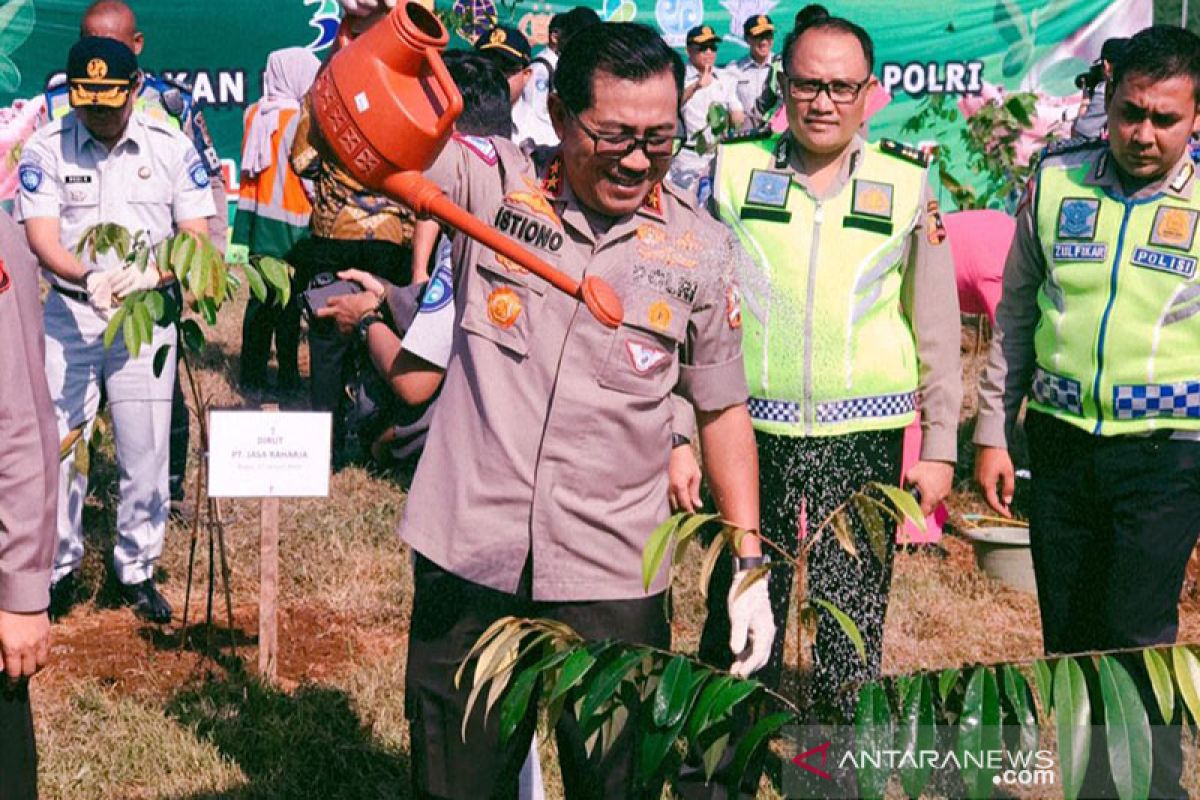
pixel 1080 251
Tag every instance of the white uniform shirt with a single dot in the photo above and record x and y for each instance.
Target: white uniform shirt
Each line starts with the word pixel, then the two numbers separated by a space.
pixel 431 335
pixel 531 118
pixel 748 78
pixel 150 180
pixel 695 113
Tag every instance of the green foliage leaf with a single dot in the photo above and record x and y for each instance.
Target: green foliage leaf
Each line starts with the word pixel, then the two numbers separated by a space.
pixel 841 530
pixel 917 734
pixel 873 522
pixel 142 321
pixel 155 305
pixel 279 275
pixel 1043 679
pixel 946 680
pixel 160 359
pixel 17 19
pixel 712 755
pixel 672 691
pixel 605 684
pixel 114 326
pixel 573 670
pixel 192 335
pixel 1127 728
pixel 1016 60
pixel 515 707
pixel 846 624
pixel 873 733
pixel 709 562
pixel 979 730
pixel 748 745
pixel 129 330
pixel 1160 681
pixel 717 702
pixel 1019 707
pixel 258 287
pixel 1187 675
pixel 655 549
pixel 1072 723
pixel 904 503
pixel 753 576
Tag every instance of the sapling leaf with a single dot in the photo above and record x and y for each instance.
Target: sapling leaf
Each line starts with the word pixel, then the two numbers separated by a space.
pixel 1187 675
pixel 160 359
pixel 1160 681
pixel 1072 723
pixel 841 529
pixel 258 287
pixel 848 625
pixel 656 547
pixel 1127 730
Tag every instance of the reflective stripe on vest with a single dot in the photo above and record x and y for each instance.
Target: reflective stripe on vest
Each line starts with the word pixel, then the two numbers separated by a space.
pixel 828 350
pixel 277 192
pixel 1117 341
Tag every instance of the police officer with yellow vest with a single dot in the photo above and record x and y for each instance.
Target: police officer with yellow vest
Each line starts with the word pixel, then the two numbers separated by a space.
pixel 850 322
pixel 1099 327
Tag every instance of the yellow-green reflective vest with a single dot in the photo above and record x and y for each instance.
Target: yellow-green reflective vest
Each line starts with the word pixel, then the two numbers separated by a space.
pixel 828 349
pixel 1118 342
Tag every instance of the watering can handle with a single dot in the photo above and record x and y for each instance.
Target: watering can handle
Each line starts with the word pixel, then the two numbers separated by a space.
pixel 441 77
pixel 343 32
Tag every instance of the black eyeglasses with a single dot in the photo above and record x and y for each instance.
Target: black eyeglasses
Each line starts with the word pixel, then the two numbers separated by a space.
pixel 707 46
pixel 622 144
pixel 839 91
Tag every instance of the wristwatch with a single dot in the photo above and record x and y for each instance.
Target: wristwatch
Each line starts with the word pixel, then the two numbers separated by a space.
pixel 679 440
pixel 741 563
pixel 365 324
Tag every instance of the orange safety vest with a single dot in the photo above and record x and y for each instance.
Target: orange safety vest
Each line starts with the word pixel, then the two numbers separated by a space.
pixel 273 207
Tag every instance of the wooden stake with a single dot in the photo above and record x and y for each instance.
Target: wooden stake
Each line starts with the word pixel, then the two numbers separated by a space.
pixel 268 584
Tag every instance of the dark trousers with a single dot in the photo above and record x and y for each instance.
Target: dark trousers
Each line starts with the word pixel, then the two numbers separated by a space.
pixel 1113 522
pixel 822 473
pixel 181 429
pixel 328 350
pixel 262 323
pixel 449 615
pixel 18 751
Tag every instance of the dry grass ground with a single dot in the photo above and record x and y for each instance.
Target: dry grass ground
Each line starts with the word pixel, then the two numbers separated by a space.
pixel 125 712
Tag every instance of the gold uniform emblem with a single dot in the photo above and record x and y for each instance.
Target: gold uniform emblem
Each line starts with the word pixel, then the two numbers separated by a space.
pixel 659 315
pixel 97 69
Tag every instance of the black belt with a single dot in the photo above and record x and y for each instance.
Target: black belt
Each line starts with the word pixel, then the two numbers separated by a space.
pixel 78 295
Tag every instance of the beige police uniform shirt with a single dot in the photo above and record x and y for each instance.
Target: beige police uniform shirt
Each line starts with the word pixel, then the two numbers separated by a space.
pixel 1008 377
pixel 552 432
pixel 28 433
pixel 151 179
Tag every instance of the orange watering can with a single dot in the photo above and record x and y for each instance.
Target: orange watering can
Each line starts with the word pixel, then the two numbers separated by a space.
pixel 386 105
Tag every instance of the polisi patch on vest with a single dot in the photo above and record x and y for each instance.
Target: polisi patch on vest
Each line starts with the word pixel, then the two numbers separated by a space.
pixel 767 196
pixel 1077 218
pixel 1080 251
pixel 528 230
pixel 1164 262
pixel 1174 227
pixel 666 280
pixel 872 199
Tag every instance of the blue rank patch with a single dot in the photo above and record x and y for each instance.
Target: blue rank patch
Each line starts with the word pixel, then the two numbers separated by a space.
pixel 199 175
pixel 1080 251
pixel 1164 262
pixel 1077 218
pixel 31 177
pixel 768 188
pixel 440 290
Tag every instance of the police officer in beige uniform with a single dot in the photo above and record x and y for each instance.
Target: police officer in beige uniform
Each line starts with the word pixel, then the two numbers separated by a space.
pixel 104 162
pixel 537 492
pixel 28 481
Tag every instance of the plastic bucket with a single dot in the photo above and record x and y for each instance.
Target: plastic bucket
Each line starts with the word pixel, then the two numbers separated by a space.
pixel 1004 554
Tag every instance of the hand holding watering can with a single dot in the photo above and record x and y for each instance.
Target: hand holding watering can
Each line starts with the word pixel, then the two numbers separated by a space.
pixel 395 71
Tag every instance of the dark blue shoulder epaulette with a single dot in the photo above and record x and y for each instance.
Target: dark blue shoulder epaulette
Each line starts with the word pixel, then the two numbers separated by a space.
pixel 1072 145
pixel 904 151
pixel 755 135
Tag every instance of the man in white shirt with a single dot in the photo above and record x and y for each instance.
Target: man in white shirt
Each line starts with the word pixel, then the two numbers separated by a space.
pixel 530 115
pixel 751 72
pixel 703 88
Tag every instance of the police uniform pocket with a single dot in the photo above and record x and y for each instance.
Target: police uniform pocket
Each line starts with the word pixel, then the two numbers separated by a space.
pixel 499 305
pixel 643 358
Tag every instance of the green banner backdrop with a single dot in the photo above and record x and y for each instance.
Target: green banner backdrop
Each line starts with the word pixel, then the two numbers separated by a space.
pixel 220 46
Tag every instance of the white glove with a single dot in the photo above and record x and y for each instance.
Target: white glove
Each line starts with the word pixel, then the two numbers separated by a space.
pixel 362 8
pixel 130 279
pixel 751 625
pixel 99 289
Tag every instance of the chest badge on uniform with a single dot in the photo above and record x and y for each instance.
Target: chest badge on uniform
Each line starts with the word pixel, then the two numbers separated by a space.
pixel 733 307
pixel 1174 227
pixel 503 307
pixel 144 172
pixel 533 199
pixel 872 199
pixel 645 357
pixel 871 206
pixel 31 177
pixel 1077 217
pixel 767 196
pixel 659 315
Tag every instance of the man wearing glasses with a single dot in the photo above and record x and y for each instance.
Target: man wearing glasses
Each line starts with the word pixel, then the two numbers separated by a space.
pixel 536 497
pixel 851 321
